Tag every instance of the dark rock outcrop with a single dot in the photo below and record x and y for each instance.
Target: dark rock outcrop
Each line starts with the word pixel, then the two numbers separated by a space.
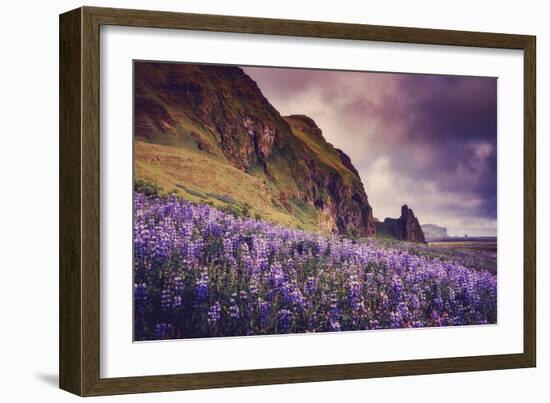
pixel 406 227
pixel 222 112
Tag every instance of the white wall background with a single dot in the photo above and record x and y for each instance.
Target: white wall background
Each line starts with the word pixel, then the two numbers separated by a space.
pixel 29 202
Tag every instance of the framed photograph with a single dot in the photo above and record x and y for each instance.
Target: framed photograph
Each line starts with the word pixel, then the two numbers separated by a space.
pixel 249 201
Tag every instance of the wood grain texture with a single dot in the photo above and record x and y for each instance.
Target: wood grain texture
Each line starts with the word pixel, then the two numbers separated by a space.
pixel 70 274
pixel 315 29
pixel 80 201
pixel 90 202
pixel 530 203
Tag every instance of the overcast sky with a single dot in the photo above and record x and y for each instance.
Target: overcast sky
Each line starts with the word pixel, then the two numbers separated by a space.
pixel 423 140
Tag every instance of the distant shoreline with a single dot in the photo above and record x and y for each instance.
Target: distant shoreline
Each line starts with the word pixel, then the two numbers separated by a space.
pixel 464 239
pixel 488 243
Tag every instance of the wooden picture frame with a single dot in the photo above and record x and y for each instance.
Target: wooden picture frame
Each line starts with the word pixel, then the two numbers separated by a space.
pixel 80 185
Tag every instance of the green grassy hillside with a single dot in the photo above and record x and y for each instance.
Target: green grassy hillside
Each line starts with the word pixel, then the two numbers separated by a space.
pixel 208 134
pixel 204 178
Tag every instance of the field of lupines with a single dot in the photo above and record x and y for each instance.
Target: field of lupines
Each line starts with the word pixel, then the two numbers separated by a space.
pixel 201 272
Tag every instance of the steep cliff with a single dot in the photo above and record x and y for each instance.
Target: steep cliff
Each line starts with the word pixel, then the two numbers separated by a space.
pixel 208 133
pixel 405 228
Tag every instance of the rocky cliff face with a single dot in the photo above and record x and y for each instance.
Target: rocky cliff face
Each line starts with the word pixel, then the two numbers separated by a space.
pixel 406 227
pixel 220 108
pixel 333 184
pixel 221 112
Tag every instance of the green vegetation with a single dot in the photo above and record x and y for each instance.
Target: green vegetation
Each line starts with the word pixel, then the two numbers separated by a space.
pixel 147 187
pixel 176 161
pixel 192 192
pixel 207 135
pixel 224 198
pixel 324 152
pixel 205 178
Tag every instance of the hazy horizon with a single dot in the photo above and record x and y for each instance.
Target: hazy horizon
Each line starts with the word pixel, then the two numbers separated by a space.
pixel 423 140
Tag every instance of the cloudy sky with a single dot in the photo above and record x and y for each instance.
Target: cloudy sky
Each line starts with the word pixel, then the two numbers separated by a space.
pixel 423 140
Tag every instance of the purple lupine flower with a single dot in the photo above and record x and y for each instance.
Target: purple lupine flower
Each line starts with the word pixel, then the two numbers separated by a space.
pixel 436 318
pixel 201 289
pixel 254 290
pixel 374 324
pixel 178 284
pixel 166 299
pixel 234 311
pixel 264 312
pixel 284 318
pixel 333 283
pixel 310 285
pixel 140 293
pixel 176 302
pixel 334 315
pixel 214 313
pixel 162 330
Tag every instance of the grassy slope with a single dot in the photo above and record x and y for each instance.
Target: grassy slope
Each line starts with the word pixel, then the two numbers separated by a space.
pixel 170 155
pixel 324 152
pixel 205 178
pixel 176 164
pixel 185 133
